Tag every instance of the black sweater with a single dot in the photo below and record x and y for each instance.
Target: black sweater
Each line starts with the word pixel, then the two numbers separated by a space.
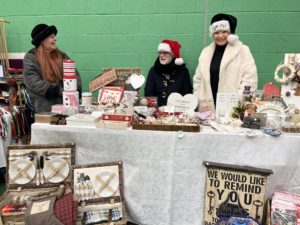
pixel 215 69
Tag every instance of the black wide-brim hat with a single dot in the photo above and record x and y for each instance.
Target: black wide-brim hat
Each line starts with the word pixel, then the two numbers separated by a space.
pixel 40 32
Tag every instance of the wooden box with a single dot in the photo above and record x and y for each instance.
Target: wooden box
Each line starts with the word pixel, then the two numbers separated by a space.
pixel 123 75
pixel 35 172
pixel 100 193
pixel 179 127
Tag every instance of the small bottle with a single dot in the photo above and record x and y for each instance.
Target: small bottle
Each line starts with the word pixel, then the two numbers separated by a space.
pixel 247 94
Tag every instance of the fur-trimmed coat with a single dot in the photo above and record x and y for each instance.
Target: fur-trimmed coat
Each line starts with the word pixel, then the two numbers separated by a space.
pixel 237 70
pixel 42 93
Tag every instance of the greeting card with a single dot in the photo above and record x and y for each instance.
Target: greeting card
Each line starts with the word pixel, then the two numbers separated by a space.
pixel 111 95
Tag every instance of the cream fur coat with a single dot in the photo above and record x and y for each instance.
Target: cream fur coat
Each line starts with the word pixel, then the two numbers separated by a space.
pixel 237 70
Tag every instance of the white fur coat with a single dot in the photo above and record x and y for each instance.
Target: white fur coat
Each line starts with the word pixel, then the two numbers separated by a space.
pixel 237 70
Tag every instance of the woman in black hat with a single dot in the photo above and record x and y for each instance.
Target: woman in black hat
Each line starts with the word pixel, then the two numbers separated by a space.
pixel 43 69
pixel 226 65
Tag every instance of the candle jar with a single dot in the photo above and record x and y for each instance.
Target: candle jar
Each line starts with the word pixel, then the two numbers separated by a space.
pixel 86 98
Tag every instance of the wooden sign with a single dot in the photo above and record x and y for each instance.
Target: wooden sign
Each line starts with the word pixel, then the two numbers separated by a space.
pixel 123 76
pixel 103 79
pixel 233 190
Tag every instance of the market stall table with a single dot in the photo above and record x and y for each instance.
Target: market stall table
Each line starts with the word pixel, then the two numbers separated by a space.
pixel 163 171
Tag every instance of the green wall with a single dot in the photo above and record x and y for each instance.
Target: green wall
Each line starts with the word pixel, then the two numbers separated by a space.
pixel 125 33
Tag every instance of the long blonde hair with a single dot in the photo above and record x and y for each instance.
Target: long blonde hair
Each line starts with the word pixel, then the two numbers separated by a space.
pixel 51 64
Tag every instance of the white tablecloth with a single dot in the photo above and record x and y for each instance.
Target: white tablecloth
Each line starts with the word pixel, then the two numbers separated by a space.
pixel 163 174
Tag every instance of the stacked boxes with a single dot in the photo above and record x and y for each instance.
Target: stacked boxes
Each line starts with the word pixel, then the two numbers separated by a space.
pixel 70 93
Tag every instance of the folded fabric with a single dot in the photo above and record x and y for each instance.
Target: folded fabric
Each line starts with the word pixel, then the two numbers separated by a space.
pixel 65 209
pixel 271 131
pixel 116 214
pixel 10 209
pixel 99 216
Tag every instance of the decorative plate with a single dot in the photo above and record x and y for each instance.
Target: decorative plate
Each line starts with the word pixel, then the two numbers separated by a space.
pixel 56 169
pixel 106 184
pixel 22 171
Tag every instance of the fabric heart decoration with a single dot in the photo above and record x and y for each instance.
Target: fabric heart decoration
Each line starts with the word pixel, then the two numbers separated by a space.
pixel 187 103
pixel 137 81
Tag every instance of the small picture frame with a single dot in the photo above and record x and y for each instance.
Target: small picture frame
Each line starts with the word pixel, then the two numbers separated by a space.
pixel 111 95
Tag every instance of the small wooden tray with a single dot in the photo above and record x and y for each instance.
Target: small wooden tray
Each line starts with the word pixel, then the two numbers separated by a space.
pixel 185 128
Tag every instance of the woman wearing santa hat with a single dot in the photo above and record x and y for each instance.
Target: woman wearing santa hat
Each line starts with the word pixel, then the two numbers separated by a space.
pixel 226 65
pixel 43 69
pixel 168 74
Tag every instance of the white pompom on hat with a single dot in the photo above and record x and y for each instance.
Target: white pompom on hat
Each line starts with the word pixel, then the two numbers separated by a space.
pixel 172 47
pixel 224 22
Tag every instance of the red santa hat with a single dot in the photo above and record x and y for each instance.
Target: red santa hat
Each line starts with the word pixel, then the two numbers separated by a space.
pixel 172 47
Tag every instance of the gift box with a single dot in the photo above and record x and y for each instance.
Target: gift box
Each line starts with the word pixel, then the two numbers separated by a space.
pixel 100 192
pixel 64 110
pixel 82 120
pixel 117 117
pixel 71 98
pixel 121 125
pixel 35 173
pixel 50 118
pixel 70 82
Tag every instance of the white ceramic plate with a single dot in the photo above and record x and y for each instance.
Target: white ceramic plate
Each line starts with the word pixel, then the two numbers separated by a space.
pixel 114 184
pixel 21 164
pixel 56 162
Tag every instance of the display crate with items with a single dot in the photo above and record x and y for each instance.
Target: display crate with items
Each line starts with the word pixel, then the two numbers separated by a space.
pixel 100 191
pixel 39 183
pixel 178 115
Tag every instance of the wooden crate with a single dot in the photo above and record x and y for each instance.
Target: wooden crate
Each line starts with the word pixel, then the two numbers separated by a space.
pixel 185 128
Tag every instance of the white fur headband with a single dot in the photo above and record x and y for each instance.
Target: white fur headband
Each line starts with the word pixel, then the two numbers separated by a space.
pixel 222 25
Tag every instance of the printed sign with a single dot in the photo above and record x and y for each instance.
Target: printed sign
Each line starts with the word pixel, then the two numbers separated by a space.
pixel 103 79
pixel 225 103
pixel 234 191
pixel 187 103
pixel 111 95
